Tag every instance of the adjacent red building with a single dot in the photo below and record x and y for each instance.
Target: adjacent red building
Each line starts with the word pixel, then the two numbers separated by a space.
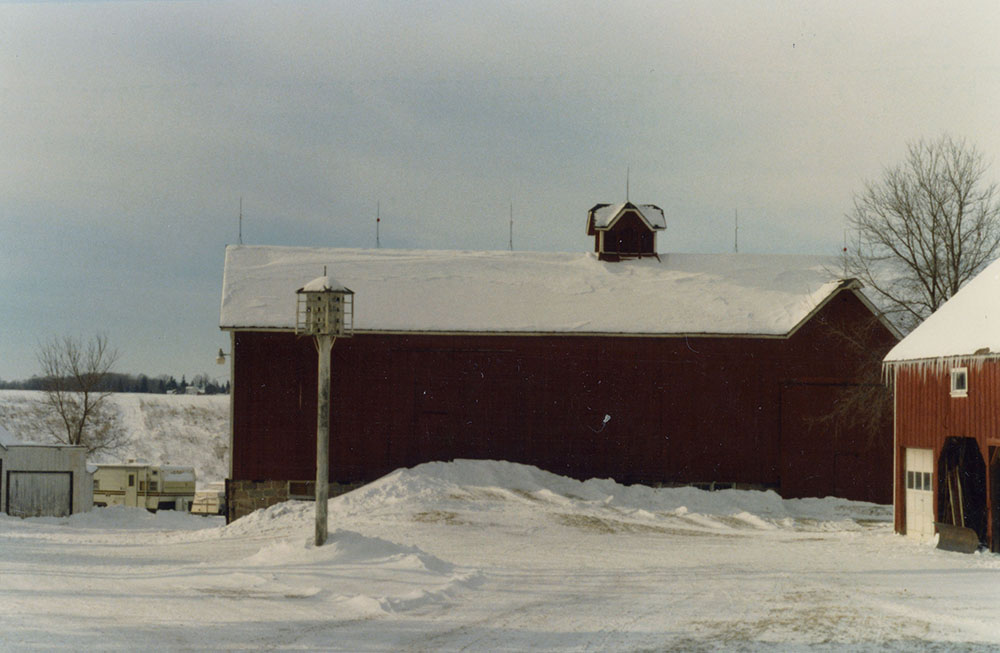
pixel 712 370
pixel 946 375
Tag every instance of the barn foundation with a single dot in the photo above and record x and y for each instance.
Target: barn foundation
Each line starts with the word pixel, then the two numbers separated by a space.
pixel 244 497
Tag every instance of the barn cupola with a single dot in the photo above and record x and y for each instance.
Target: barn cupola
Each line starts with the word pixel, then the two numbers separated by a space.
pixel 625 230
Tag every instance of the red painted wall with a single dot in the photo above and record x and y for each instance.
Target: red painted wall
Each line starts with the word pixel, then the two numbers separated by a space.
pixel 927 414
pixel 630 235
pixel 681 409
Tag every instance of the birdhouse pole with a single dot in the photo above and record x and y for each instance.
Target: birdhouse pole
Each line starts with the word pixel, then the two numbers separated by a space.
pixel 324 344
pixel 325 310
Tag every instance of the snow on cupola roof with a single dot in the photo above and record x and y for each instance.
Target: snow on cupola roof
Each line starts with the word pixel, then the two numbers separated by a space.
pixel 603 216
pixel 534 292
pixel 965 326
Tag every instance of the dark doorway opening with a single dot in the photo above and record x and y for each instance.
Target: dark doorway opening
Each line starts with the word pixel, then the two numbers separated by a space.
pixel 995 498
pixel 962 485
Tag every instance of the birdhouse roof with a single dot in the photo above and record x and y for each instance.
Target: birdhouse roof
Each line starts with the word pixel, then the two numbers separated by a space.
pixel 324 284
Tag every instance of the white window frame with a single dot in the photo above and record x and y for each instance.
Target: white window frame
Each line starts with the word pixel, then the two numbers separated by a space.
pixel 956 374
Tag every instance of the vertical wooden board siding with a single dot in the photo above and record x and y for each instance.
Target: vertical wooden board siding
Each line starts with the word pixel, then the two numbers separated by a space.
pixel 681 409
pixel 926 414
pixel 39 494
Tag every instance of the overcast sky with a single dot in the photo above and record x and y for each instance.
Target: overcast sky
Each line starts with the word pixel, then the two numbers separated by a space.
pixel 129 131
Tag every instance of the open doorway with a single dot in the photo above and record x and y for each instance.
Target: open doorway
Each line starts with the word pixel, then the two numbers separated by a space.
pixel 995 498
pixel 962 485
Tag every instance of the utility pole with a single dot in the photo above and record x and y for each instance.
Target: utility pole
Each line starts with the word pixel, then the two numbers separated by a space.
pixel 510 243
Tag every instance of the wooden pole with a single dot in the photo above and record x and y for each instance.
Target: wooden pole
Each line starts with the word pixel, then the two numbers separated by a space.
pixel 324 345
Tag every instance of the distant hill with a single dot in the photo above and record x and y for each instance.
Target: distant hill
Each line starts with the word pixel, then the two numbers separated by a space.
pixel 176 429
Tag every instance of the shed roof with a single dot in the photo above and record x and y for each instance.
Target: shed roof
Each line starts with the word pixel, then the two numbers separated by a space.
pixel 966 325
pixel 6 438
pixel 533 292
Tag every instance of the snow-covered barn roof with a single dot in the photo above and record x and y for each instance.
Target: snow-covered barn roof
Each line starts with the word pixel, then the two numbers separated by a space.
pixel 603 216
pixel 964 327
pixel 533 292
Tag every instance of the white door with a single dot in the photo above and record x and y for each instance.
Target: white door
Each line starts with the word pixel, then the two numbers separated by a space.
pixel 131 491
pixel 920 493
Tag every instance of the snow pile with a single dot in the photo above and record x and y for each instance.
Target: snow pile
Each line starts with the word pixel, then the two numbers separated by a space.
pixel 532 292
pixel 465 485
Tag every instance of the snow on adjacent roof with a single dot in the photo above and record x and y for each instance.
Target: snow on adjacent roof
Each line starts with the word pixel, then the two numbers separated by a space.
pixel 532 292
pixel 967 323
pixel 605 215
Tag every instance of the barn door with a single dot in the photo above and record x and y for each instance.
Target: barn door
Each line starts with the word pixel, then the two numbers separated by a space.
pixel 39 494
pixel 919 510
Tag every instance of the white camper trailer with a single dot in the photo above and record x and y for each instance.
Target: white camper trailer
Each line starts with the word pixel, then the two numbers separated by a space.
pixel 139 484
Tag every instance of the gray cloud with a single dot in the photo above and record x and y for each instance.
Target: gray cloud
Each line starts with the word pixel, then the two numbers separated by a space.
pixel 130 130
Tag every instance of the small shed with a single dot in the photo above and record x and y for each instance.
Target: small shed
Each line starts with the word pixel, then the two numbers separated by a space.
pixel 43 480
pixel 946 378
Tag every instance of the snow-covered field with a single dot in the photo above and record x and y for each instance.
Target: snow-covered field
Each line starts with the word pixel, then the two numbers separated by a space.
pixel 163 429
pixel 492 556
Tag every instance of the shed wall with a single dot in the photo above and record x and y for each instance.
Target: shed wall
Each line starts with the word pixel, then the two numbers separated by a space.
pixel 40 458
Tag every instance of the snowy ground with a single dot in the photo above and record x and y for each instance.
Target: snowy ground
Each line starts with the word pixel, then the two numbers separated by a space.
pixel 489 556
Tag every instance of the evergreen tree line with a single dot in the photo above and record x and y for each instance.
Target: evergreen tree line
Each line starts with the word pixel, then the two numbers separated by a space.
pixel 116 382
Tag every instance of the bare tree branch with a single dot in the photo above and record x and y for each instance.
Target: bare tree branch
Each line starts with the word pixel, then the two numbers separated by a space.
pixel 76 389
pixel 927 227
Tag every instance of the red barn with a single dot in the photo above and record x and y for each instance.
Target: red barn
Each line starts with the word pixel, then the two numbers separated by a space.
pixel 673 368
pixel 946 375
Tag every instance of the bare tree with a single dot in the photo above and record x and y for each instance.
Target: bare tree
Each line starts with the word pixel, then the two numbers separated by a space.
pixel 75 390
pixel 931 224
pixel 865 404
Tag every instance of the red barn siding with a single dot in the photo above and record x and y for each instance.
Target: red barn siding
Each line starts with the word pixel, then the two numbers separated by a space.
pixel 629 235
pixel 926 414
pixel 681 409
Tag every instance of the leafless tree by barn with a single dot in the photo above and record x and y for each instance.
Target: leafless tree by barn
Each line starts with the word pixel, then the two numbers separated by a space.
pixel 76 393
pixel 929 225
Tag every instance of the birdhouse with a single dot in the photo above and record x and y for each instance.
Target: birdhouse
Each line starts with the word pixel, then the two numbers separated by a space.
pixel 325 308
